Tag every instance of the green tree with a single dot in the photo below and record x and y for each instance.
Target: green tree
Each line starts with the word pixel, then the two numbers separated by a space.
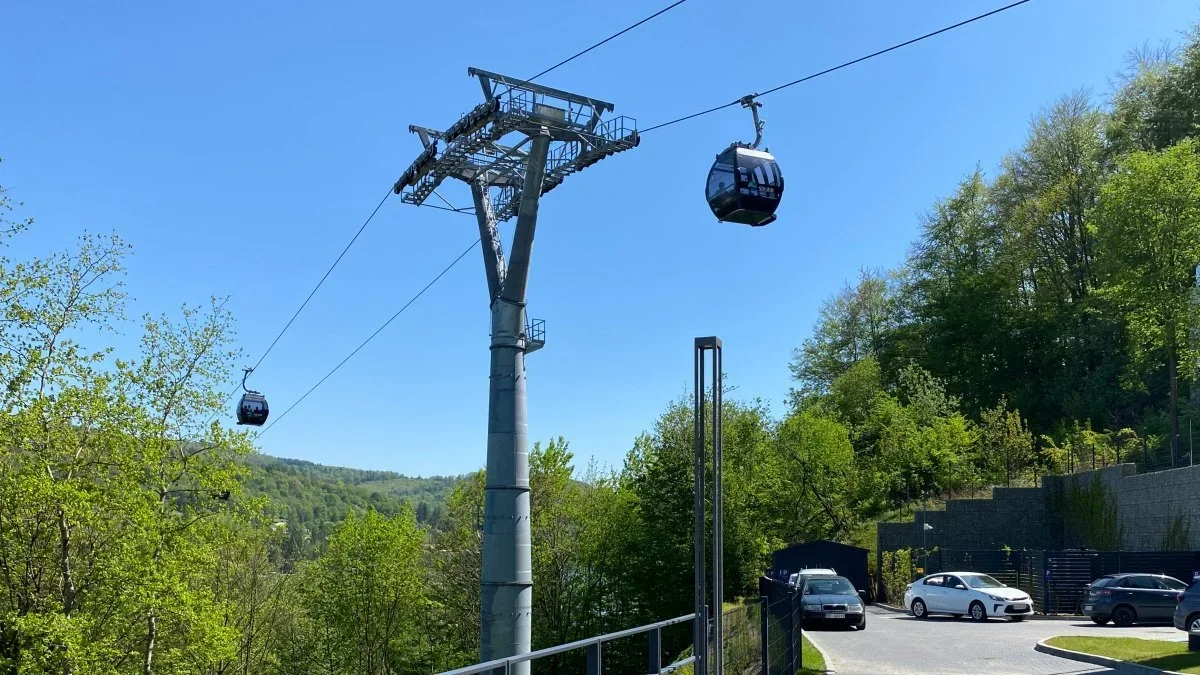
pixel 107 471
pixel 1157 103
pixel 258 603
pixel 1005 445
pixel 851 326
pixel 366 598
pixel 457 559
pixel 1147 223
pixel 819 477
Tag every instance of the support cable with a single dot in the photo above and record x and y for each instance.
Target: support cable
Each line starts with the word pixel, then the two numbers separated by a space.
pixel 364 343
pixel 304 304
pixel 847 64
pixel 618 34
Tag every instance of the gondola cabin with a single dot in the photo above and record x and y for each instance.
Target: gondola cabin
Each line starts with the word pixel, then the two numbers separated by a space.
pixel 252 409
pixel 744 186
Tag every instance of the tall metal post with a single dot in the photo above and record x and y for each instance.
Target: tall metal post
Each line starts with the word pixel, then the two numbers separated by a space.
pixel 557 134
pixel 764 636
pixel 507 575
pixel 700 644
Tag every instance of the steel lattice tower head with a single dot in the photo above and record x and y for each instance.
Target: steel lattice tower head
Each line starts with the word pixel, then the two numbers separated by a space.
pixel 555 134
pixel 472 150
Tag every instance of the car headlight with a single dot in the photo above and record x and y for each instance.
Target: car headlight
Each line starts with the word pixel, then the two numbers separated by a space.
pixel 811 608
pixel 997 598
pixel 854 607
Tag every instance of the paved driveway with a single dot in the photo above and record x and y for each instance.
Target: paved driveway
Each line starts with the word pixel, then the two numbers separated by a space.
pixel 898 644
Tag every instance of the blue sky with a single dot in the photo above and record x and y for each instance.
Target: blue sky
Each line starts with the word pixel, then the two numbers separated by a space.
pixel 238 146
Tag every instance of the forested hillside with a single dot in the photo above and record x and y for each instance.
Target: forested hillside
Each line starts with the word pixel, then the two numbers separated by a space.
pixel 313 498
pixel 1044 320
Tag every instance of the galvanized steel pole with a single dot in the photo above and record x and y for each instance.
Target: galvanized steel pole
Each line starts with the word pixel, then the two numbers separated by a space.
pixel 699 641
pixel 706 665
pixel 507 574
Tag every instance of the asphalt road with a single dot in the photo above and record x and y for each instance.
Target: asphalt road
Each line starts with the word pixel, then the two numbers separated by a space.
pixel 898 644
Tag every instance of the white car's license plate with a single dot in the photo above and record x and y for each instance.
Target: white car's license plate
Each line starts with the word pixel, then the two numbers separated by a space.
pixel 1020 608
pixel 1087 608
pixel 835 615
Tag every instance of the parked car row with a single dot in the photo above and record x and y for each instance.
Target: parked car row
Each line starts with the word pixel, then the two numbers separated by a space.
pixel 1123 599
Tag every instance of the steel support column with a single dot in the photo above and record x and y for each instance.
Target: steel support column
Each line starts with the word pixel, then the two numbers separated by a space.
pixel 704 664
pixel 507 575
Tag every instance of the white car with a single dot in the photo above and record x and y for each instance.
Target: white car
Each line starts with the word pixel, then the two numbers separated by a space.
pixel 795 578
pixel 966 593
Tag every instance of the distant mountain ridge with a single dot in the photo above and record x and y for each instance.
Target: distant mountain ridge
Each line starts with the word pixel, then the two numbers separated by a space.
pixel 313 498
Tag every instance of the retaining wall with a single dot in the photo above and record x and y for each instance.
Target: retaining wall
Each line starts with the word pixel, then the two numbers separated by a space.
pixel 1148 506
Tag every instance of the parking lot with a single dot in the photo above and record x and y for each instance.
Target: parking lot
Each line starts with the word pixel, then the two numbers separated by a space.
pixel 898 644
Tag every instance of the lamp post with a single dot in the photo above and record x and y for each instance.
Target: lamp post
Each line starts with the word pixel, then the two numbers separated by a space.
pixel 701 640
pixel 925 527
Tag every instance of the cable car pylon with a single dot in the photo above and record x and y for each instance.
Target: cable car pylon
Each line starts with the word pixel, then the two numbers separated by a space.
pixel 554 134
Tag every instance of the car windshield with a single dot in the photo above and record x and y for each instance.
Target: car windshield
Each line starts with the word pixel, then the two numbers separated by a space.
pixel 836 586
pixel 981 581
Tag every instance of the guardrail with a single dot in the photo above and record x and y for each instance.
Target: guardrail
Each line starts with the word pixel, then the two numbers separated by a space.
pixel 594 652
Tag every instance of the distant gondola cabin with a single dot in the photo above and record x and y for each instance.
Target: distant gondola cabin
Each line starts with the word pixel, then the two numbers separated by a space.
pixel 252 409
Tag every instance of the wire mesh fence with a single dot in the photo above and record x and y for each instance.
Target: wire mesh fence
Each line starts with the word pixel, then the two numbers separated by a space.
pixel 743 639
pixel 782 634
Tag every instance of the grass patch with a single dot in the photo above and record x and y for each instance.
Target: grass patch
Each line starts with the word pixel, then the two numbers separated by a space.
pixel 1154 653
pixel 812 661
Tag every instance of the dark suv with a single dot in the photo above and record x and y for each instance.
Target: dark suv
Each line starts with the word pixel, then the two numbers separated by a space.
pixel 1128 598
pixel 1187 612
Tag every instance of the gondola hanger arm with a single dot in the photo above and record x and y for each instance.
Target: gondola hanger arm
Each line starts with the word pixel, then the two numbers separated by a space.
pixel 748 101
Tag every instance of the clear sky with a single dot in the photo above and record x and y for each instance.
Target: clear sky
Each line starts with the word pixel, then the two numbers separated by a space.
pixel 238 146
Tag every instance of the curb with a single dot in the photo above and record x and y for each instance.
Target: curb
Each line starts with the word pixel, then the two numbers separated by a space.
pixel 890 608
pixel 1114 664
pixel 1057 617
pixel 829 669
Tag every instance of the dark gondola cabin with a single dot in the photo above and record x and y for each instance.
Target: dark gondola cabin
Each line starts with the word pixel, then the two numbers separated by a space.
pixel 252 409
pixel 744 186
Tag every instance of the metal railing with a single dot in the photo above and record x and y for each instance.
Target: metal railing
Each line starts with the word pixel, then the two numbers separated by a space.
pixel 594 652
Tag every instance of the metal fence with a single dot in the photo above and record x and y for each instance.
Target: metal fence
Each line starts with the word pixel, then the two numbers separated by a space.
pixel 742 641
pixel 593 647
pixel 782 628
pixel 742 638
pixel 781 635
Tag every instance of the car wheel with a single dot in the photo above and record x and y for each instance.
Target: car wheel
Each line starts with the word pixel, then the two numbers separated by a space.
pixel 862 625
pixel 1099 620
pixel 918 608
pixel 978 613
pixel 1123 616
pixel 1193 623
